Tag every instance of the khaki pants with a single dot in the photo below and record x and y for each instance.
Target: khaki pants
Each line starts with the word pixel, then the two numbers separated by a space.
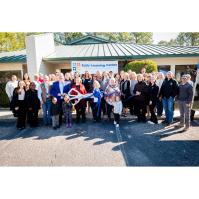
pixel 184 113
pixel 55 120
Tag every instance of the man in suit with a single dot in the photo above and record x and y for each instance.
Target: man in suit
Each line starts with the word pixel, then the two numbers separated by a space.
pixel 58 90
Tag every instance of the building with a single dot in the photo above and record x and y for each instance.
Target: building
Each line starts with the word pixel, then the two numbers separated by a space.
pixel 47 52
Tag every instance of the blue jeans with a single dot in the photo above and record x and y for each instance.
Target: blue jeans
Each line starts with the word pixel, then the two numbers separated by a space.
pixel 46 112
pixel 168 108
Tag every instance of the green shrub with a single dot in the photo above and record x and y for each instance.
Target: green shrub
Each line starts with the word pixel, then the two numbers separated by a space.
pixel 4 101
pixel 136 66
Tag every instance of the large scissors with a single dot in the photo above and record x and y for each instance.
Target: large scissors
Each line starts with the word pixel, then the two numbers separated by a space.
pixel 78 96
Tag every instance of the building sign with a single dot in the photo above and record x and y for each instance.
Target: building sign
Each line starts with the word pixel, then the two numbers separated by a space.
pixel 94 66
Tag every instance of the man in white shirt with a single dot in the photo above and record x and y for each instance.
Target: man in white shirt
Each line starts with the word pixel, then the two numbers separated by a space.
pixel 44 97
pixel 10 86
pixel 36 81
pixel 133 82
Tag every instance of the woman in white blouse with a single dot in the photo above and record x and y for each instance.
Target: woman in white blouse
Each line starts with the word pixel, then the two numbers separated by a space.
pixel 19 105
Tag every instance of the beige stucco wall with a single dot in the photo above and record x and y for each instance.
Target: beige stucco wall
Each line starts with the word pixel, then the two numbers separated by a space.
pixel 51 67
pixel 177 61
pixel 10 66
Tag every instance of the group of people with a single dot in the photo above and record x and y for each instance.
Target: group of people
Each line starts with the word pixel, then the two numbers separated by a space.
pixel 111 94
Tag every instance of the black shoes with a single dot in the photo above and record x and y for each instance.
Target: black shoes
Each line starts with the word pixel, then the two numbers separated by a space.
pixel 20 128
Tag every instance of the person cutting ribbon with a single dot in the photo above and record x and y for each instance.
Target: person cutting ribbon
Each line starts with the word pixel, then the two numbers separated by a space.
pixel 76 94
pixel 78 97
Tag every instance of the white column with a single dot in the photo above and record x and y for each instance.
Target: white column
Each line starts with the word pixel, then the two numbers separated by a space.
pixel 173 68
pixel 37 47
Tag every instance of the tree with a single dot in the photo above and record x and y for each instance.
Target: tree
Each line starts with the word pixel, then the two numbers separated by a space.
pixel 124 37
pixel 188 38
pixel 136 37
pixel 11 41
pixel 69 36
pixel 172 42
pixel 142 37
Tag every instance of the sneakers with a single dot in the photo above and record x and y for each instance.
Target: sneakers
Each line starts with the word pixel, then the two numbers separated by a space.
pixel 187 128
pixel 117 125
pixel 115 122
pixel 179 126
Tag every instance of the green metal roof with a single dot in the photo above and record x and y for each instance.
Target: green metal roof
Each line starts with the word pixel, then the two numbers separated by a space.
pixel 89 39
pixel 119 51
pixel 106 51
pixel 13 57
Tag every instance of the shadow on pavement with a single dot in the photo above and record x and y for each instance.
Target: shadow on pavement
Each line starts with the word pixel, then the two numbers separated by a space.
pixel 140 144
pixel 155 146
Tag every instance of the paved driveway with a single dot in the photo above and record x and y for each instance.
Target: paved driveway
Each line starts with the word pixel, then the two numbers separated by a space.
pixel 91 144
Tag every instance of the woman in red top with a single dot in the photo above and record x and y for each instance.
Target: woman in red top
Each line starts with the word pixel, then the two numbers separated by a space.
pixel 80 107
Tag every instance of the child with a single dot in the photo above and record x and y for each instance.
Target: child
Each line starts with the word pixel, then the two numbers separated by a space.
pixel 111 91
pixel 96 102
pixel 67 110
pixel 117 110
pixel 54 112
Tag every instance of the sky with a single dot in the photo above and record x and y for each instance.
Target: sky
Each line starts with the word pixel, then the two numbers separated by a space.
pixel 166 36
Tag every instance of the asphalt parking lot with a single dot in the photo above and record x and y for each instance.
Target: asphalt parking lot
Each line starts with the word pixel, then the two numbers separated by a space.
pixel 98 144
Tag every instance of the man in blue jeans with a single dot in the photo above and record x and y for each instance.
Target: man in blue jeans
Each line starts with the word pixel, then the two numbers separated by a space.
pixel 44 97
pixel 168 92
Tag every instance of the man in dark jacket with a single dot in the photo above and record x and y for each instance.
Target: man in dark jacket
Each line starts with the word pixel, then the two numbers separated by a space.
pixel 184 100
pixel 168 92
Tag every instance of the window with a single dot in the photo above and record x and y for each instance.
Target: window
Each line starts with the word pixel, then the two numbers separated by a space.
pixel 164 68
pixel 6 75
pixel 185 69
pixel 65 70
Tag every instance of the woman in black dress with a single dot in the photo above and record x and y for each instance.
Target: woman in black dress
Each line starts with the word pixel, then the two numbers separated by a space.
pixel 33 105
pixel 88 84
pixel 140 98
pixel 153 90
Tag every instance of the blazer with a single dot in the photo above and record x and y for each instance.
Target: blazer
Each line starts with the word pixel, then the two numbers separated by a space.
pixel 55 89
pixel 153 93
pixel 82 90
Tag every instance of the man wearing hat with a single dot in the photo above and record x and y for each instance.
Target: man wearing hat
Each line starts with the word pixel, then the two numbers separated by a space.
pixel 184 97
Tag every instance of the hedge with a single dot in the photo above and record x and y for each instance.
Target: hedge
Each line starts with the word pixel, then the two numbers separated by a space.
pixel 151 66
pixel 4 101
